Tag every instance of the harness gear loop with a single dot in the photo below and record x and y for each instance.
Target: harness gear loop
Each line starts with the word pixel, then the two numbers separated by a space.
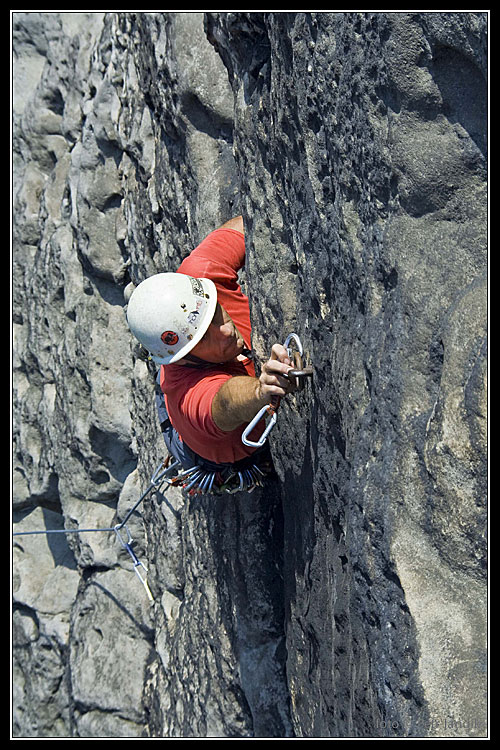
pixel 296 376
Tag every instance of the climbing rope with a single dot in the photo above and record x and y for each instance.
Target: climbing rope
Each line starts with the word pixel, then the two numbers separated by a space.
pixel 159 476
pixel 197 479
pixel 194 481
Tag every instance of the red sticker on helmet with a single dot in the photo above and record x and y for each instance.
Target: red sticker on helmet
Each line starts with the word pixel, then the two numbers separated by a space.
pixel 169 338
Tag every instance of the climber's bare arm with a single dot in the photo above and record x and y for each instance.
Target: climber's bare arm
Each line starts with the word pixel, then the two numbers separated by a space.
pixel 241 397
pixel 235 223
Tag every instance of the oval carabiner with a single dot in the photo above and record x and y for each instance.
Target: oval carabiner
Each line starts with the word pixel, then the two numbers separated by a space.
pixel 293 337
pixel 268 409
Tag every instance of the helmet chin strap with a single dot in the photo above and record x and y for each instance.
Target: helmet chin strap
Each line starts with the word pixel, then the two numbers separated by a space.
pixel 197 361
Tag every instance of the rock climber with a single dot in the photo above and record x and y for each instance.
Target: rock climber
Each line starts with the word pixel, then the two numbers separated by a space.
pixel 195 323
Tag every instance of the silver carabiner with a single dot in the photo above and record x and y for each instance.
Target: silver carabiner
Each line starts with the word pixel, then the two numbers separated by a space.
pixel 137 563
pixel 194 477
pixel 294 337
pixel 205 483
pixel 159 474
pixel 269 408
pixel 260 415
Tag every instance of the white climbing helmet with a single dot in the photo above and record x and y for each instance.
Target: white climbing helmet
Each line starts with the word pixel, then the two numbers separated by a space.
pixel 169 313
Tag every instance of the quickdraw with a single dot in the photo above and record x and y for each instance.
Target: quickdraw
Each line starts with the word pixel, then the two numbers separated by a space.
pixel 127 545
pixel 159 476
pixel 197 480
pixel 297 375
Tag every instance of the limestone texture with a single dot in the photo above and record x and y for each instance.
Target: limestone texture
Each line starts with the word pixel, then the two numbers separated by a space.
pixel 347 598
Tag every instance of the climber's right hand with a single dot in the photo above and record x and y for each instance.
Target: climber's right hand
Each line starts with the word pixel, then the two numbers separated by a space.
pixel 273 380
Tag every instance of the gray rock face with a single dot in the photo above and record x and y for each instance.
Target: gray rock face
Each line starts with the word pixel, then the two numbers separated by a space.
pixel 348 598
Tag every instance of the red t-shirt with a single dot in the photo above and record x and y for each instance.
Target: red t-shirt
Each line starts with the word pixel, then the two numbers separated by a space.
pixel 189 392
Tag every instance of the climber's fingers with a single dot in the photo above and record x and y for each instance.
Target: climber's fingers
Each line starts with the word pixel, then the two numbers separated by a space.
pixel 274 372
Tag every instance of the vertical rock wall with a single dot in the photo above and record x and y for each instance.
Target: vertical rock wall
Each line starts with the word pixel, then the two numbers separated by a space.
pixel 361 141
pixel 348 599
pixel 123 163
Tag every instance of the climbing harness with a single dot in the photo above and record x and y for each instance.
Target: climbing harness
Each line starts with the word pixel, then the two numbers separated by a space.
pixel 297 375
pixel 198 475
pixel 202 480
pixel 159 476
pixel 194 481
pixel 204 477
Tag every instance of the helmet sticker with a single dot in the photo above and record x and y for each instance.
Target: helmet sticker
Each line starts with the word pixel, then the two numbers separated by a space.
pixel 197 287
pixel 169 338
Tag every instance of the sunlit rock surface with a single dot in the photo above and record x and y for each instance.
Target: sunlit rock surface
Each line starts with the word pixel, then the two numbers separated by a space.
pixel 348 598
